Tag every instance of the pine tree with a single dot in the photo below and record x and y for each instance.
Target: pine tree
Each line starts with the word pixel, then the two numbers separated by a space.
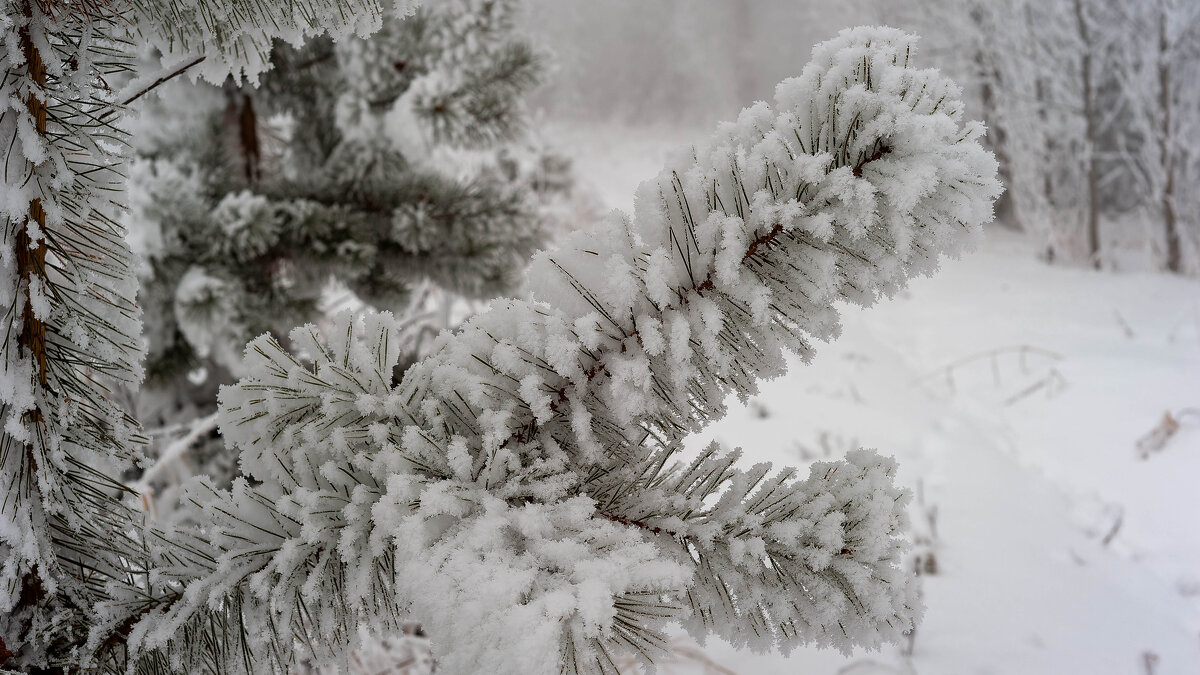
pixel 67 537
pixel 520 491
pixel 370 161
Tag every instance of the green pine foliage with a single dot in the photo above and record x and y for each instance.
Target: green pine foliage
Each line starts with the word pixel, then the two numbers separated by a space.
pixel 372 162
pixel 331 169
pixel 521 491
pixel 518 490
pixel 72 333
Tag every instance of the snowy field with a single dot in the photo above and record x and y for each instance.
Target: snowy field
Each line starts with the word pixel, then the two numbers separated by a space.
pixel 1015 396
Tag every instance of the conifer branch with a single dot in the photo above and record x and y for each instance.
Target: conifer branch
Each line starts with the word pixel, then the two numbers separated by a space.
pixel 549 424
pixel 30 254
pixel 161 80
pixel 31 263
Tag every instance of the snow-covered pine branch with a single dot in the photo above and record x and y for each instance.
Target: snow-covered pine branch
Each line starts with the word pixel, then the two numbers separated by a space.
pixel 235 36
pixel 518 491
pixel 73 330
pixel 375 163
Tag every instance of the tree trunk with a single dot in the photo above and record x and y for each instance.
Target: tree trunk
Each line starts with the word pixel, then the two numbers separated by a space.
pixel 31 342
pixel 31 255
pixel 989 78
pixel 244 145
pixel 1090 133
pixel 1174 261
pixel 1006 206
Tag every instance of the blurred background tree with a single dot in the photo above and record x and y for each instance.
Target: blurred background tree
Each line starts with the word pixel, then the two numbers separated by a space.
pixel 1088 102
pixel 1092 117
pixel 399 171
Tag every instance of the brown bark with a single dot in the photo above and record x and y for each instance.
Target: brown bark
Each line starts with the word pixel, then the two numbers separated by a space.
pixel 31 256
pixel 244 122
pixel 240 135
pixel 31 262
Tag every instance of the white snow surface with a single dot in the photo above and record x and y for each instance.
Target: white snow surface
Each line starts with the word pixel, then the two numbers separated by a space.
pixel 1027 448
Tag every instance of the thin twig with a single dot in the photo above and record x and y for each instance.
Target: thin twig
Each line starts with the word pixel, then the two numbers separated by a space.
pixel 175 450
pixel 1053 377
pixel 155 84
pixel 1156 439
pixel 1021 351
pixel 1116 527
pixel 1124 325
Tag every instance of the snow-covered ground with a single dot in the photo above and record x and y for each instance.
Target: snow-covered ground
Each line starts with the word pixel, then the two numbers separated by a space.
pixel 1014 395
